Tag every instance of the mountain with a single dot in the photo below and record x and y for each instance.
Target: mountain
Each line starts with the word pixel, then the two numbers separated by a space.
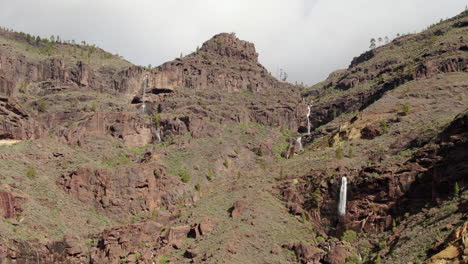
pixel 207 158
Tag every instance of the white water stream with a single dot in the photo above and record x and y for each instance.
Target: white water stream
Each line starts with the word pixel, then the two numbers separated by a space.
pixel 342 202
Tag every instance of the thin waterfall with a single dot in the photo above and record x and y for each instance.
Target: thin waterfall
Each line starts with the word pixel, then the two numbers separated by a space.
pixel 145 83
pixel 299 143
pixel 342 202
pixel 158 134
pixel 308 121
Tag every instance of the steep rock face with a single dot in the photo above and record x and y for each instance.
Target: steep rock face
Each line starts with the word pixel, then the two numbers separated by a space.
pixel 135 243
pixel 224 63
pixel 133 129
pixel 135 190
pixel 382 69
pixel 9 205
pixel 374 201
pixel 15 123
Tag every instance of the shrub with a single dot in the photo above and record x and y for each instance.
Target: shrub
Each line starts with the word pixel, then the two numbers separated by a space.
pixel 31 174
pixel 23 88
pixel 210 175
pixel 339 153
pixel 353 259
pixel 163 260
pixel 197 187
pixel 184 176
pixel 350 153
pixel 320 239
pixel 384 126
pixel 456 189
pixel 226 163
pixel 405 109
pixel 156 119
pixel 382 245
pixel 260 151
pixel 138 255
pixel 41 107
pixel 349 236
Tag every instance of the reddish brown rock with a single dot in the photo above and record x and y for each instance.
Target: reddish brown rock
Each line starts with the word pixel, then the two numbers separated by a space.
pixel 305 253
pixel 9 205
pixel 123 191
pixel 370 132
pixel 238 208
pixel 337 255
pixel 16 123
pixel 203 228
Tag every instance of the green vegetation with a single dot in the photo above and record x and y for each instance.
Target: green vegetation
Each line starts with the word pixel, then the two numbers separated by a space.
pixel 405 109
pixel 456 190
pixel 23 88
pixel 41 107
pixel 156 119
pixel 31 174
pixel 384 126
pixel 353 259
pixel 163 260
pixel 198 187
pixel 138 255
pixel 184 175
pixel 226 163
pixel 339 153
pixel 210 175
pixel 120 159
pixel 349 236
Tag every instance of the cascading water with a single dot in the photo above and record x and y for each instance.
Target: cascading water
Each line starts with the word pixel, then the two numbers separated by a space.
pixel 299 143
pixel 308 121
pixel 158 134
pixel 342 202
pixel 145 83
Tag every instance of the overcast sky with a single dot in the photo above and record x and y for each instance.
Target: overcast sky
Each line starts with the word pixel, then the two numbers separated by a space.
pixel 307 38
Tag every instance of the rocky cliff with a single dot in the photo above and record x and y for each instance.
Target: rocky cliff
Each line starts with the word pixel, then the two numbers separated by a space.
pixel 204 164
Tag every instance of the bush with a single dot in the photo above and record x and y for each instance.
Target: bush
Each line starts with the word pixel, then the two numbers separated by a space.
pixel 163 260
pixel 226 163
pixel 456 189
pixel 339 153
pixel 41 107
pixel 210 174
pixel 384 126
pixel 353 259
pixel 184 175
pixel 31 174
pixel 405 109
pixel 349 236
pixel 156 119
pixel 198 187
pixel 260 151
pixel 23 88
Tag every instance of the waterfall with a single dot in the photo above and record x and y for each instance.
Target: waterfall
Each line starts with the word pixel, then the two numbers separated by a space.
pixel 308 121
pixel 145 83
pixel 342 202
pixel 158 134
pixel 299 142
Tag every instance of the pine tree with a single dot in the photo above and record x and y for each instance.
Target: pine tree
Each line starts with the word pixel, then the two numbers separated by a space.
pixel 372 43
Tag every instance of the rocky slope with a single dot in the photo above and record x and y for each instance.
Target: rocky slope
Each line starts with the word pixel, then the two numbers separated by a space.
pixel 197 160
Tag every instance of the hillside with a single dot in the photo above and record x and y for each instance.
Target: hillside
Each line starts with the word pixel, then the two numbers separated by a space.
pixel 208 159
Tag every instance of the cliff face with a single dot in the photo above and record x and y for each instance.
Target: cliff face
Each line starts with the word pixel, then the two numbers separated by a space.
pixel 205 166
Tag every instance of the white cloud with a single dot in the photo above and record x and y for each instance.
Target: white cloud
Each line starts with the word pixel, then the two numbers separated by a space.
pixel 307 38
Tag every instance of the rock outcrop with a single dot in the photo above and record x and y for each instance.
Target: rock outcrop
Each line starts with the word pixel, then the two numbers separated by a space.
pixel 123 191
pixel 380 193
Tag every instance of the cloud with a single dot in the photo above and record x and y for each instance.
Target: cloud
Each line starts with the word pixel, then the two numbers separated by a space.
pixel 307 38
